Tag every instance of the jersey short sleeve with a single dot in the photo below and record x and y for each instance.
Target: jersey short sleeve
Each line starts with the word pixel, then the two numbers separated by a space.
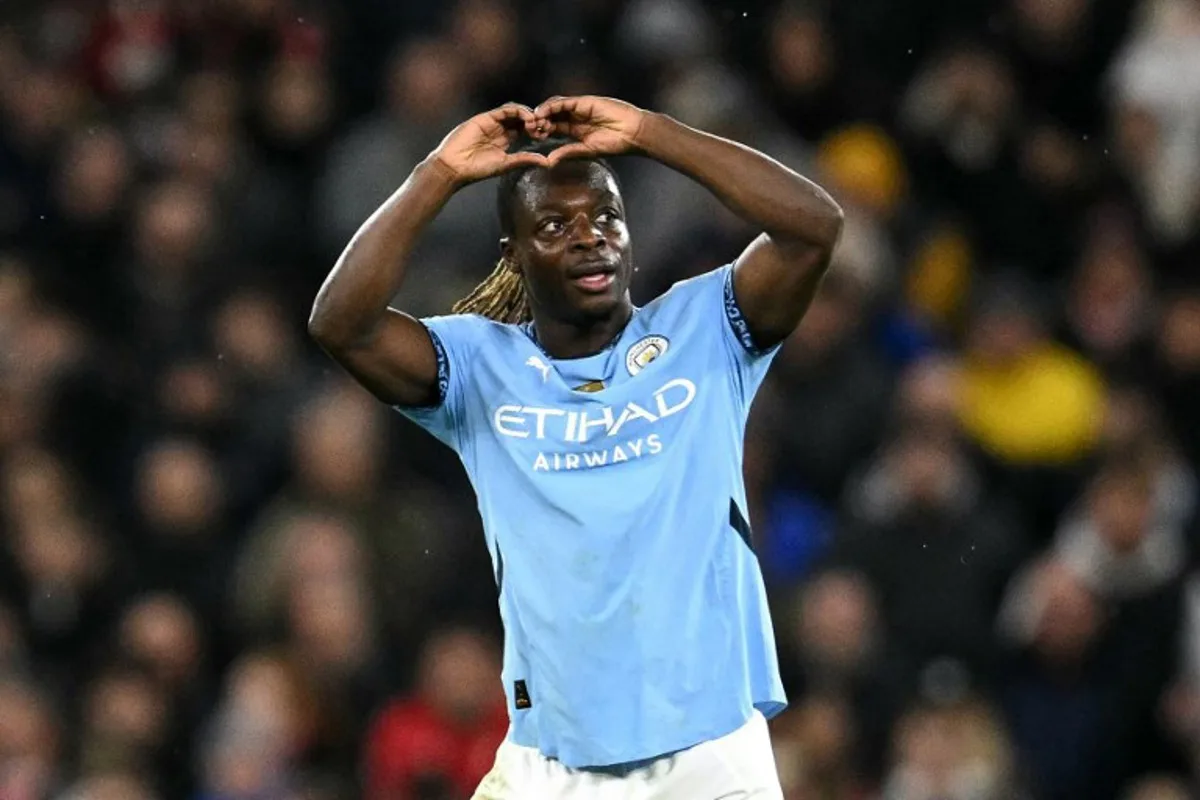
pixel 454 339
pixel 712 296
pixel 752 362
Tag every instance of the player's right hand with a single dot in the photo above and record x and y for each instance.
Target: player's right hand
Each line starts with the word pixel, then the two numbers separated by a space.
pixel 478 148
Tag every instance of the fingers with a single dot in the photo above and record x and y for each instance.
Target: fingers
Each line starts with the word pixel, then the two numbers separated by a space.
pixel 513 117
pixel 558 116
pixel 556 106
pixel 544 125
pixel 555 116
pixel 513 112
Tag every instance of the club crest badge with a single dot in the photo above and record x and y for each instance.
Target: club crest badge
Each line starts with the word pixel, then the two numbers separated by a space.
pixel 644 351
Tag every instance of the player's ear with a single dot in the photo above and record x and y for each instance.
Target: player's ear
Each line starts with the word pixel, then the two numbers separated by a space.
pixel 508 252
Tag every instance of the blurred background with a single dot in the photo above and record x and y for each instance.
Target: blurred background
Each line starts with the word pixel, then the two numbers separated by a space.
pixel 226 573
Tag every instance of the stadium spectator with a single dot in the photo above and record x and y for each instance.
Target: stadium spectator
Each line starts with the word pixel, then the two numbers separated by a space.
pixel 442 740
pixel 218 560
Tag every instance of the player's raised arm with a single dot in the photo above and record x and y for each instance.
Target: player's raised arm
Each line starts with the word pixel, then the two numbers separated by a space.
pixel 389 352
pixel 778 274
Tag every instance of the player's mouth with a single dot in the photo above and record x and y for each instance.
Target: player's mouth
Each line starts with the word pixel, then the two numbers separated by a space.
pixel 596 282
pixel 594 278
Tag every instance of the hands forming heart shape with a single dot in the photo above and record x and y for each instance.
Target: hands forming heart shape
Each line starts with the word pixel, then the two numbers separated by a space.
pixel 598 126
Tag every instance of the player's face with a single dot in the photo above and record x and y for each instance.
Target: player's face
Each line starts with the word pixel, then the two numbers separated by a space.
pixel 570 239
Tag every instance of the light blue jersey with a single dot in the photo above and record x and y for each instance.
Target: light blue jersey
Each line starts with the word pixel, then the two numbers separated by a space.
pixel 611 493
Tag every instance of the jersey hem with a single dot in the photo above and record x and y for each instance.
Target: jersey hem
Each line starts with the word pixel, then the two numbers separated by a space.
pixel 768 708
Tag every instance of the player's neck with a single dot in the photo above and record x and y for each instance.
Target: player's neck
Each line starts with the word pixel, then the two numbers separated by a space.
pixel 571 340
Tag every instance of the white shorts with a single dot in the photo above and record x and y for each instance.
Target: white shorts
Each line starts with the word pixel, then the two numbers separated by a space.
pixel 738 766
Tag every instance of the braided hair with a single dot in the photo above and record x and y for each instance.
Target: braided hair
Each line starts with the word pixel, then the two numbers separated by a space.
pixel 501 295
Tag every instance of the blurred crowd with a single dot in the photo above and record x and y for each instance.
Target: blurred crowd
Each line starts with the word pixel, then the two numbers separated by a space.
pixel 226 573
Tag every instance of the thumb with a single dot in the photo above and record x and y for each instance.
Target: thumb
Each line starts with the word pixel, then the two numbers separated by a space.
pixel 515 160
pixel 572 150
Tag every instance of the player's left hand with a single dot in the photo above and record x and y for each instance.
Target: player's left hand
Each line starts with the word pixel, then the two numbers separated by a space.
pixel 601 126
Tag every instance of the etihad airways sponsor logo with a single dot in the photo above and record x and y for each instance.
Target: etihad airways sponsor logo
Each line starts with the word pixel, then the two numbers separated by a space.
pixel 556 424
pixel 628 450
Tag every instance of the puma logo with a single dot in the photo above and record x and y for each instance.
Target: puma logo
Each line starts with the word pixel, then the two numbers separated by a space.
pixel 540 366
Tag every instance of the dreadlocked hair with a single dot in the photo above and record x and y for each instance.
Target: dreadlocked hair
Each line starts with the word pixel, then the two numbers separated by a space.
pixel 501 295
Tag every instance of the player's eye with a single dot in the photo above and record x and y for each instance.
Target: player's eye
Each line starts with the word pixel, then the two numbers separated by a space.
pixel 552 226
pixel 608 216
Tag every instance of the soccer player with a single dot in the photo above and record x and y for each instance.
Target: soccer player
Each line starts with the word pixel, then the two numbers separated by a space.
pixel 603 440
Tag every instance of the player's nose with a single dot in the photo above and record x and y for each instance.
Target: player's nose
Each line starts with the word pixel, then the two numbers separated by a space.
pixel 586 235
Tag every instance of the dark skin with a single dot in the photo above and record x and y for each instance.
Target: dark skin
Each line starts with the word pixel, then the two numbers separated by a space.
pixel 569 223
pixel 569 232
